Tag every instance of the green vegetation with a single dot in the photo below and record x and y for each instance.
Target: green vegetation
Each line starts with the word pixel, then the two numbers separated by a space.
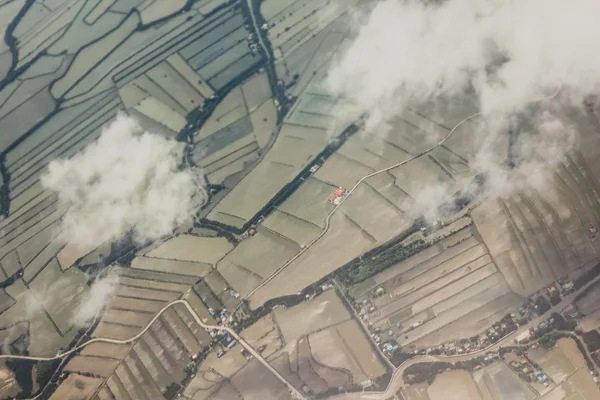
pixel 425 372
pixel 23 370
pixel 44 371
pixel 542 305
pixel 562 324
pixel 368 266
pixel 592 340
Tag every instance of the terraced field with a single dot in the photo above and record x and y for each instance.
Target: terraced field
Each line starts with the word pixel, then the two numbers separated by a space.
pixel 536 238
pixel 80 63
pixel 381 207
pixel 448 291
pixel 316 344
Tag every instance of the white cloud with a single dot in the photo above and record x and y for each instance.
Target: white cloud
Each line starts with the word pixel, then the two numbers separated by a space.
pixel 512 56
pixel 95 300
pixel 414 48
pixel 127 180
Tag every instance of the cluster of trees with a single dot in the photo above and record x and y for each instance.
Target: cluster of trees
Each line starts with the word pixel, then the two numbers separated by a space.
pixel 425 372
pixel 592 340
pixel 26 374
pixel 585 278
pixel 368 266
pixel 542 304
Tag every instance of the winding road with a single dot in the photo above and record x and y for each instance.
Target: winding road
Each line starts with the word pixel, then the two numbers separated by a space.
pixel 361 180
pixel 397 380
pixel 295 393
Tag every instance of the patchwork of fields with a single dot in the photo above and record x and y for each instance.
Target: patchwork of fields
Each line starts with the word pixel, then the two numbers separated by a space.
pixel 565 365
pixel 293 197
pixel 82 62
pixel 447 292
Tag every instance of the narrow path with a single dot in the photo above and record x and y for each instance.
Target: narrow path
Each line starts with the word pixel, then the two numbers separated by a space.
pixel 397 380
pixel 328 218
pixel 295 393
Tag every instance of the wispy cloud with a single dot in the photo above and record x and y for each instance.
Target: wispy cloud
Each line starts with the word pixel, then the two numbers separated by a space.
pixel 95 300
pixel 509 52
pixel 127 180
pixel 510 56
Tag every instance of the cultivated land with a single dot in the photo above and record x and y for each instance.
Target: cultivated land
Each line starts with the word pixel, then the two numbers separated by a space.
pixel 317 344
pixel 446 292
pixel 242 82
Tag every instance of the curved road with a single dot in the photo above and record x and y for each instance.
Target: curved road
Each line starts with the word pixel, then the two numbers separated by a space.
pixel 295 393
pixel 361 180
pixel 397 381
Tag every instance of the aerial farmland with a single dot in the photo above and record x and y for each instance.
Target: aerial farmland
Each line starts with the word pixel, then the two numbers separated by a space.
pixel 312 249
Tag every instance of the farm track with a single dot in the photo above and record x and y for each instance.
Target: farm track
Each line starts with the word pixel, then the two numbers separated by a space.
pixel 397 380
pixel 328 218
pixel 296 394
pixel 414 157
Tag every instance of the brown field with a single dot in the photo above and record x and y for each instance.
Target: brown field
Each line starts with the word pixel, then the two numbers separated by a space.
pixel 590 302
pixel 141 375
pixel 255 382
pixel 343 235
pixel 76 387
pixel 305 370
pixel 263 332
pixel 147 294
pixel 71 253
pixel 170 342
pixel 129 318
pixel 309 202
pixel 341 171
pixel 125 303
pixel 181 330
pixel 580 381
pixel 538 237
pixel 477 320
pixel 359 344
pixel 98 366
pixel 498 382
pixel 554 362
pixel 295 229
pixel 227 392
pixel 449 289
pixel 329 350
pixel 116 351
pixel 255 259
pixel 201 335
pixel 151 346
pixel 278 167
pixel 416 392
pixel 155 369
pixel 310 316
pixel 256 91
pixel 288 368
pixel 114 331
pixel 413 268
pixel 193 248
pixel 590 321
pixel 229 364
pixel 375 215
pixel 462 386
pixel 487 291
pixel 198 269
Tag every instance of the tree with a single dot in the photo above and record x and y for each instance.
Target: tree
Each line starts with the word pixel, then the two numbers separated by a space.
pixel 592 340
pixel 542 304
